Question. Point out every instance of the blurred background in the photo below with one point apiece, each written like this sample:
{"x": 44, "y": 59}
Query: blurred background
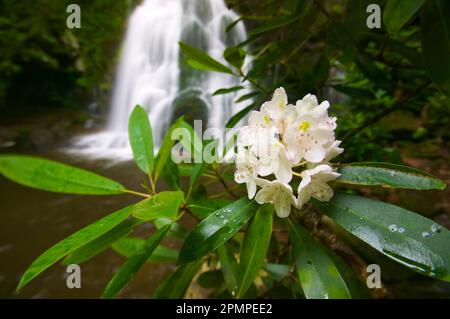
{"x": 65, "y": 93}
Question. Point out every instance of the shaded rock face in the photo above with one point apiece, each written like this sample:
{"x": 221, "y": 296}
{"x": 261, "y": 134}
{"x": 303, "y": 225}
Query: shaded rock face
{"x": 192, "y": 106}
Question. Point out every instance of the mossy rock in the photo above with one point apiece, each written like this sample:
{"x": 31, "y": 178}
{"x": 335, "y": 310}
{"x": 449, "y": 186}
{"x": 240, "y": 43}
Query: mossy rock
{"x": 192, "y": 106}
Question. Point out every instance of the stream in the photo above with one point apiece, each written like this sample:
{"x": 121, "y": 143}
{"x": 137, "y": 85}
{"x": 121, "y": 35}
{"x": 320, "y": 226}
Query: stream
{"x": 31, "y": 221}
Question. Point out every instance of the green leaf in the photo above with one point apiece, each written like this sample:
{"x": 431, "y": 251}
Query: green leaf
{"x": 357, "y": 288}
{"x": 235, "y": 56}
{"x": 73, "y": 242}
{"x": 197, "y": 171}
{"x": 435, "y": 32}
{"x": 247, "y": 96}
{"x": 398, "y": 12}
{"x": 216, "y": 229}
{"x": 141, "y": 139}
{"x": 227, "y": 90}
{"x": 194, "y": 144}
{"x": 204, "y": 207}
{"x": 134, "y": 263}
{"x": 101, "y": 243}
{"x": 398, "y": 47}
{"x": 229, "y": 268}
{"x": 232, "y": 24}
{"x": 274, "y": 24}
{"x": 176, "y": 231}
{"x": 239, "y": 115}
{"x": 254, "y": 248}
{"x": 163, "y": 204}
{"x": 165, "y": 149}
{"x": 202, "y": 61}
{"x": 211, "y": 279}
{"x": 277, "y": 271}
{"x": 373, "y": 72}
{"x": 56, "y": 177}
{"x": 319, "y": 276}
{"x": 387, "y": 175}
{"x": 175, "y": 286}
{"x": 129, "y": 246}
{"x": 171, "y": 175}
{"x": 408, "y": 238}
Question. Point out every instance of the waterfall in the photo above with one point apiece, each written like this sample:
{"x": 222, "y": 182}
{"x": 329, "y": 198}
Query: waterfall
{"x": 151, "y": 72}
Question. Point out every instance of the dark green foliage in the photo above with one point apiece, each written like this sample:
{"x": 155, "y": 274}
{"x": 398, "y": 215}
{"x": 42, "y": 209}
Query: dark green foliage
{"x": 43, "y": 63}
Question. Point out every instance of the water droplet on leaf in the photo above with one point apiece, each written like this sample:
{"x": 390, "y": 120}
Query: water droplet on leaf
{"x": 393, "y": 228}
{"x": 435, "y": 228}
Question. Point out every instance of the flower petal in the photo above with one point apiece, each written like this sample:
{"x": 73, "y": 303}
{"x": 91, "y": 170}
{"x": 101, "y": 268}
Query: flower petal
{"x": 251, "y": 188}
{"x": 283, "y": 206}
{"x": 315, "y": 154}
{"x": 322, "y": 192}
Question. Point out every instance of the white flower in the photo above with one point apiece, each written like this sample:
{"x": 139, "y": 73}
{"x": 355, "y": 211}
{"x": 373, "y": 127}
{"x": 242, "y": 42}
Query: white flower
{"x": 305, "y": 140}
{"x": 277, "y": 106}
{"x": 259, "y": 124}
{"x": 314, "y": 184}
{"x": 279, "y": 194}
{"x": 332, "y": 150}
{"x": 246, "y": 163}
{"x": 281, "y": 136}
{"x": 275, "y": 161}
{"x": 311, "y": 131}
{"x": 281, "y": 113}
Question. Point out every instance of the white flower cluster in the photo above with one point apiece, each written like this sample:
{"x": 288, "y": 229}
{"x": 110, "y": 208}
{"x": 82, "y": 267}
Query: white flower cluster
{"x": 285, "y": 140}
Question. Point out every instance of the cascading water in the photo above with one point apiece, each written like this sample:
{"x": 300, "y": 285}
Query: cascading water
{"x": 151, "y": 72}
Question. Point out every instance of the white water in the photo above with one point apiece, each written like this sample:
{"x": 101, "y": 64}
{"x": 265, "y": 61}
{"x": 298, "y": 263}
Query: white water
{"x": 149, "y": 71}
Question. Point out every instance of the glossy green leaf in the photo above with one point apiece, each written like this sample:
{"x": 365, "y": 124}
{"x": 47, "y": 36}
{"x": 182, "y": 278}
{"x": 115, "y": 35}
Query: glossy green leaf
{"x": 129, "y": 246}
{"x": 202, "y": 61}
{"x": 239, "y": 115}
{"x": 229, "y": 268}
{"x": 319, "y": 276}
{"x": 175, "y": 286}
{"x": 165, "y": 149}
{"x": 356, "y": 286}
{"x": 204, "y": 207}
{"x": 141, "y": 139}
{"x": 398, "y": 12}
{"x": 408, "y": 238}
{"x": 435, "y": 32}
{"x": 227, "y": 90}
{"x": 73, "y": 242}
{"x": 134, "y": 263}
{"x": 235, "y": 56}
{"x": 163, "y": 204}
{"x": 56, "y": 177}
{"x": 387, "y": 175}
{"x": 254, "y": 248}
{"x": 101, "y": 243}
{"x": 216, "y": 229}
